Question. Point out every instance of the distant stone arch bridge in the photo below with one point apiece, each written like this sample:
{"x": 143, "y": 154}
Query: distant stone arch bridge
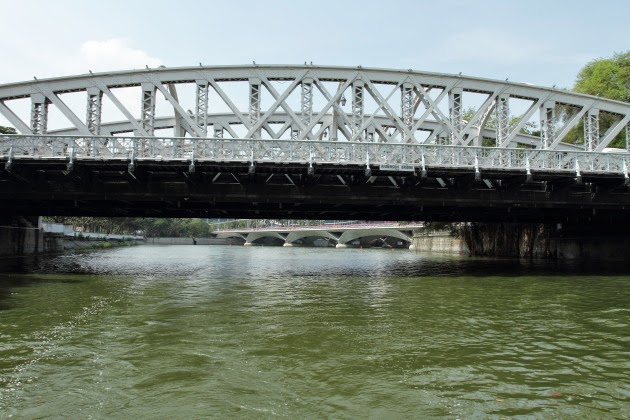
{"x": 339, "y": 235}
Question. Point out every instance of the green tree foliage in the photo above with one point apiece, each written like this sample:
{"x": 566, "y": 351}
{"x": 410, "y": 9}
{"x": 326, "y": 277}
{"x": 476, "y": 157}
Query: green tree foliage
{"x": 608, "y": 78}
{"x": 7, "y": 130}
{"x": 152, "y": 227}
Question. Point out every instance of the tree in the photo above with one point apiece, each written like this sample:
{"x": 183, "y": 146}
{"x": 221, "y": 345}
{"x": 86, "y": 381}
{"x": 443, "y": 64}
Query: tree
{"x": 608, "y": 78}
{"x": 7, "y": 130}
{"x": 197, "y": 228}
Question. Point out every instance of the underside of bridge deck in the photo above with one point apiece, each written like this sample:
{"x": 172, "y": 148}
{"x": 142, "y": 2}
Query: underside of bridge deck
{"x": 168, "y": 189}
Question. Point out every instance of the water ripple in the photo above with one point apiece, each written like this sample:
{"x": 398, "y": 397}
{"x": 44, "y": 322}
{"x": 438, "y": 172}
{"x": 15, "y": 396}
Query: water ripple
{"x": 275, "y": 332}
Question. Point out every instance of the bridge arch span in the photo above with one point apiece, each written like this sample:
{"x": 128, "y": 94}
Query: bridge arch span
{"x": 227, "y": 235}
{"x": 255, "y": 236}
{"x": 313, "y": 103}
{"x": 297, "y": 235}
{"x": 354, "y": 234}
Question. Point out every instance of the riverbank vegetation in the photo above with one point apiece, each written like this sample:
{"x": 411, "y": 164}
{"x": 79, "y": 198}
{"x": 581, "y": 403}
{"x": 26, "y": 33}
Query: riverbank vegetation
{"x": 150, "y": 226}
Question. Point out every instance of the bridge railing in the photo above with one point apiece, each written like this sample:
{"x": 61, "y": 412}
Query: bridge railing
{"x": 409, "y": 156}
{"x": 326, "y": 226}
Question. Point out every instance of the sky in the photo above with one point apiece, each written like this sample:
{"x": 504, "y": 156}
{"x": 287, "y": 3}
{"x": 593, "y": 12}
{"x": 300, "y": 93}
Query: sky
{"x": 539, "y": 42}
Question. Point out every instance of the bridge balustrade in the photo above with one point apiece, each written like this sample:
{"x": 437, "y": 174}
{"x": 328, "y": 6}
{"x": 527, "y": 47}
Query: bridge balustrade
{"x": 308, "y": 152}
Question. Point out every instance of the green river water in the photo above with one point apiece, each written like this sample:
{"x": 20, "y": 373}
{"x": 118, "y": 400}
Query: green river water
{"x": 263, "y": 332}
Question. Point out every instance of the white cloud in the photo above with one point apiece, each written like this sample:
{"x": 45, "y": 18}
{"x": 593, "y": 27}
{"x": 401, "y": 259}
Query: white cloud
{"x": 108, "y": 55}
{"x": 95, "y": 55}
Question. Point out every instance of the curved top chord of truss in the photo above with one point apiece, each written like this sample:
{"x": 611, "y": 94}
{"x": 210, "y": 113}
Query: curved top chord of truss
{"x": 312, "y": 103}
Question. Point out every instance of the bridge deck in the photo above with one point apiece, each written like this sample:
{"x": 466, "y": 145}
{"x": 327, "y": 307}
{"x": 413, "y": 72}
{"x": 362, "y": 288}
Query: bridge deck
{"x": 425, "y": 183}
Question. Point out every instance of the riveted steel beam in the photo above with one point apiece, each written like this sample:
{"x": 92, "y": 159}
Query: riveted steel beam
{"x": 147, "y": 116}
{"x": 254, "y": 104}
{"x": 201, "y": 106}
{"x": 39, "y": 113}
{"x": 503, "y": 118}
{"x": 547, "y": 121}
{"x": 94, "y": 110}
{"x": 307, "y": 101}
{"x": 591, "y": 130}
{"x": 357, "y": 109}
{"x": 456, "y": 114}
{"x": 406, "y": 109}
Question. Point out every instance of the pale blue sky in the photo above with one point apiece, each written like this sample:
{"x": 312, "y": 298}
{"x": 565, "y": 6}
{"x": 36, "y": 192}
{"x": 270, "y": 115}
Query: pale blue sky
{"x": 539, "y": 42}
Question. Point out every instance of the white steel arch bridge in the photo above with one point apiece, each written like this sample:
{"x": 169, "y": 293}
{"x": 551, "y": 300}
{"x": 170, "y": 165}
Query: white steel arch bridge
{"x": 291, "y": 126}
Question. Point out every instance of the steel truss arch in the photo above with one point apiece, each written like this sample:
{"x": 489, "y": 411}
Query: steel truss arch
{"x": 314, "y": 103}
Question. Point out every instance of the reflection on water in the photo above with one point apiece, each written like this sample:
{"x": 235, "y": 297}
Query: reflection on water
{"x": 194, "y": 331}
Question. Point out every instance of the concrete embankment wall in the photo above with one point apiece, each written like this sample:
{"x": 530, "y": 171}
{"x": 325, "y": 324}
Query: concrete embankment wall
{"x": 21, "y": 236}
{"x": 442, "y": 243}
{"x": 185, "y": 241}
{"x": 606, "y": 247}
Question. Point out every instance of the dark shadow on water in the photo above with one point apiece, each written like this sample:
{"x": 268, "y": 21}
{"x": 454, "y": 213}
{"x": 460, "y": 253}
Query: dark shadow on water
{"x": 446, "y": 266}
{"x": 19, "y": 272}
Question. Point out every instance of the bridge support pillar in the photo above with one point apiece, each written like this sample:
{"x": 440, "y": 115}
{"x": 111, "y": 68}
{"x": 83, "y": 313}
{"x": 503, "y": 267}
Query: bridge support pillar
{"x": 248, "y": 244}
{"x": 21, "y": 236}
{"x": 341, "y": 246}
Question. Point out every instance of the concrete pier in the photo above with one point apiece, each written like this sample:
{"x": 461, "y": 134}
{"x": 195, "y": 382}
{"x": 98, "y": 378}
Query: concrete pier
{"x": 21, "y": 235}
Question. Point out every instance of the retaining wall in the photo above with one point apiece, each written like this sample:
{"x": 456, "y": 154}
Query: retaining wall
{"x": 443, "y": 243}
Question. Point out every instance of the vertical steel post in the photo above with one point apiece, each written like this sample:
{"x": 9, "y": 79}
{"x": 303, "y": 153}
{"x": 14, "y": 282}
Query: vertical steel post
{"x": 406, "y": 109}
{"x": 503, "y": 118}
{"x": 254, "y": 105}
{"x": 307, "y": 102}
{"x": 357, "y": 109}
{"x": 39, "y": 113}
{"x": 201, "y": 108}
{"x": 147, "y": 116}
{"x": 218, "y": 131}
{"x": 591, "y": 130}
{"x": 94, "y": 110}
{"x": 455, "y": 113}
{"x": 371, "y": 131}
{"x": 547, "y": 120}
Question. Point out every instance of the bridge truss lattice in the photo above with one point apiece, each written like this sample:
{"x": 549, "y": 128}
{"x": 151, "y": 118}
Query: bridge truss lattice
{"x": 312, "y": 103}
